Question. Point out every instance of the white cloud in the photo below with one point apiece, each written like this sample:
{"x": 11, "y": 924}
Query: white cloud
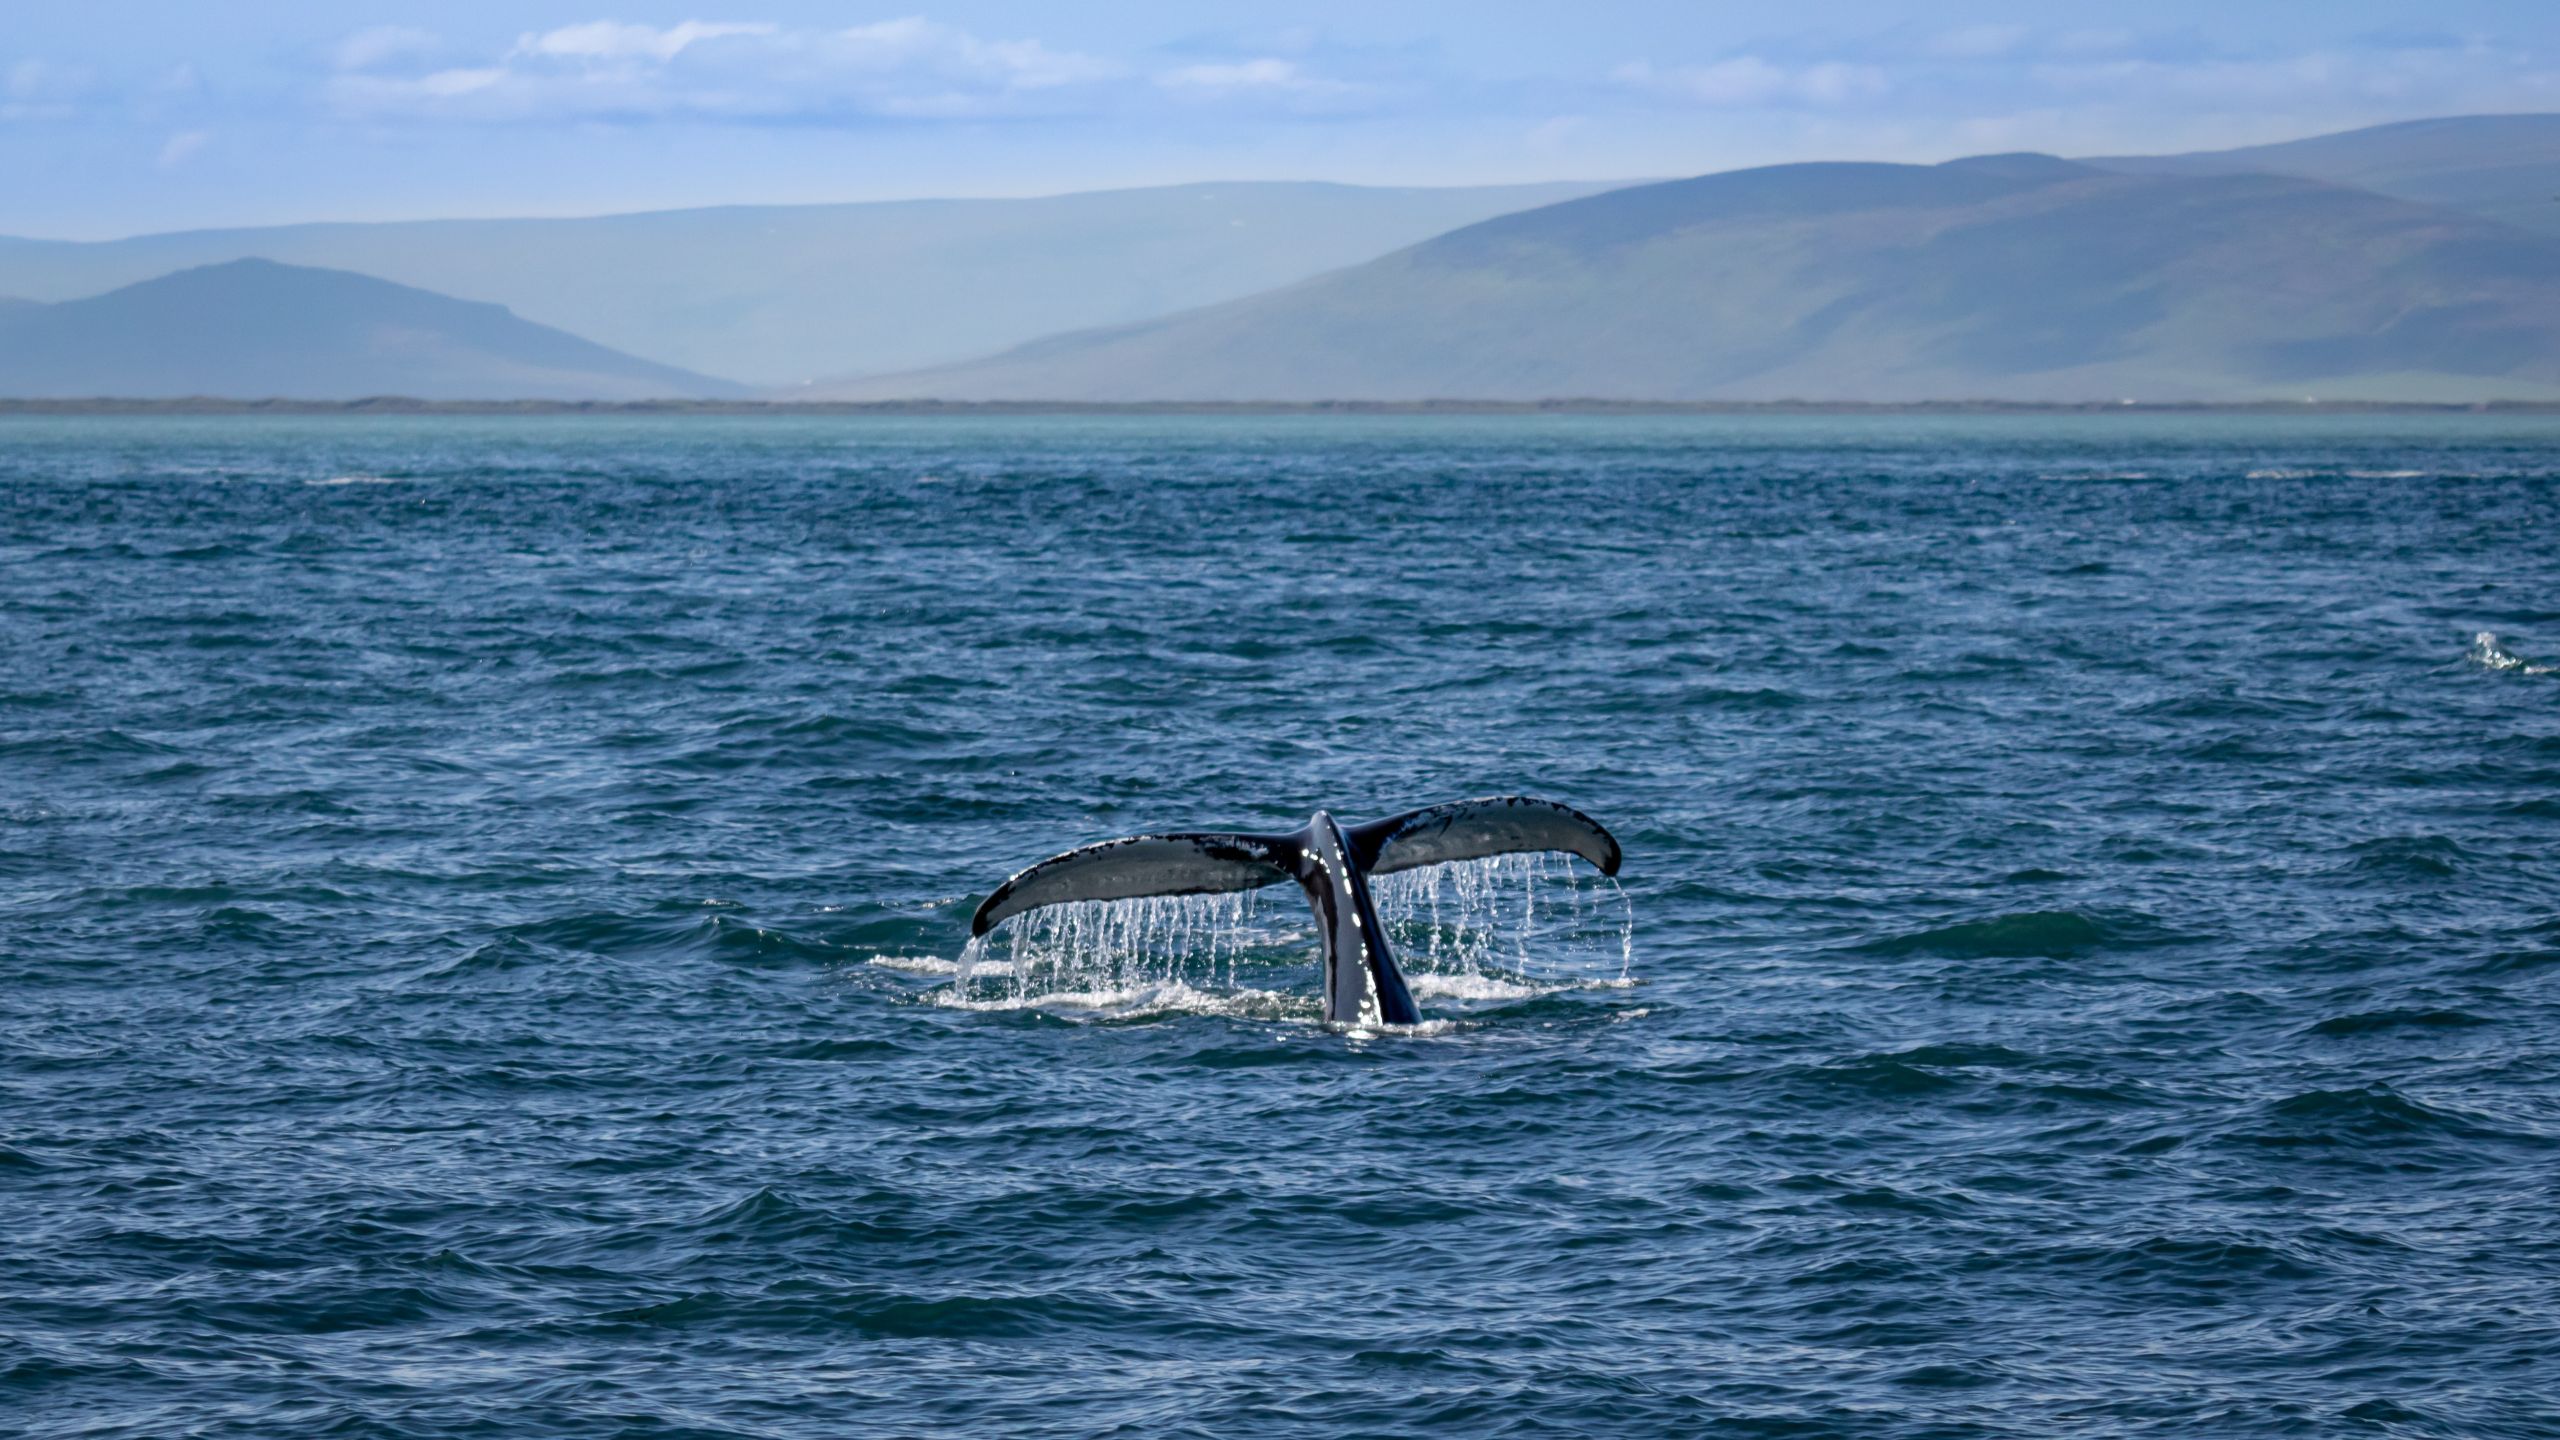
{"x": 1752, "y": 82}
{"x": 1978, "y": 42}
{"x": 446, "y": 84}
{"x": 918, "y": 44}
{"x": 44, "y": 90}
{"x": 1267, "y": 73}
{"x": 2070, "y": 90}
{"x": 182, "y": 147}
{"x": 613, "y": 40}
{"x": 912, "y": 67}
{"x": 381, "y": 44}
{"x": 42, "y": 80}
{"x": 1555, "y": 134}
{"x": 2447, "y": 80}
{"x": 2095, "y": 42}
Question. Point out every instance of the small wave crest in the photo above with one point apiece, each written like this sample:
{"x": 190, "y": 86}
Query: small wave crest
{"x": 2372, "y": 1022}
{"x": 2364, "y": 1118}
{"x": 2036, "y": 933}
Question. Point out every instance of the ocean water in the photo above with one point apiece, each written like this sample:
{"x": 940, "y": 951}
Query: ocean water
{"x": 485, "y": 909}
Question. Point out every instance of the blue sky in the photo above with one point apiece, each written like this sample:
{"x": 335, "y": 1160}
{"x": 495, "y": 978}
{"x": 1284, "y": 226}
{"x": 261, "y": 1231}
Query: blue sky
{"x": 120, "y": 117}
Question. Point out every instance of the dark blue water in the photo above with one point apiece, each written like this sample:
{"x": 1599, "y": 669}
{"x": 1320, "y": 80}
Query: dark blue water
{"x": 480, "y": 898}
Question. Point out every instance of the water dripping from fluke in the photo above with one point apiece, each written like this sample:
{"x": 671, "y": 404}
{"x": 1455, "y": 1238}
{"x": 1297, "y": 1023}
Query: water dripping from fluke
{"x": 1474, "y": 937}
{"x": 1334, "y": 866}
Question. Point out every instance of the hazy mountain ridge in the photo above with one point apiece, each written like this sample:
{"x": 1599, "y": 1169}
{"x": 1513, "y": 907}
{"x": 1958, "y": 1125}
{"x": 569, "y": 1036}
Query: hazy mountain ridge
{"x": 780, "y": 295}
{"x": 2500, "y": 167}
{"x": 2257, "y": 274}
{"x": 253, "y": 328}
{"x": 2006, "y": 277}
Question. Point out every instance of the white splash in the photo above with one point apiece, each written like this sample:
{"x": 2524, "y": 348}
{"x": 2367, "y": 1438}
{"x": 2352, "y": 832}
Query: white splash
{"x": 2487, "y": 650}
{"x": 1139, "y": 1002}
{"x": 1480, "y": 932}
{"x": 917, "y": 964}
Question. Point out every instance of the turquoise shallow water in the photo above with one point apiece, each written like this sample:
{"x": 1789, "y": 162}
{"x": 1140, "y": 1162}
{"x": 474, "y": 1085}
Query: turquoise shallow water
{"x": 481, "y": 899}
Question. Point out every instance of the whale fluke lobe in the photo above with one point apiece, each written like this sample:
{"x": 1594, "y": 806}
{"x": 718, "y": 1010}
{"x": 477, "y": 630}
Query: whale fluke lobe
{"x": 1143, "y": 865}
{"x": 1478, "y": 830}
{"x": 1330, "y": 863}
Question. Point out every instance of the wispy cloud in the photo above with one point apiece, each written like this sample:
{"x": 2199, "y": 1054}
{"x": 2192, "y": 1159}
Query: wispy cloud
{"x": 182, "y": 147}
{"x": 1977, "y": 42}
{"x": 1266, "y": 73}
{"x": 383, "y": 44}
{"x": 614, "y": 40}
{"x": 1753, "y": 81}
{"x": 44, "y": 89}
{"x": 1980, "y": 76}
{"x": 729, "y": 70}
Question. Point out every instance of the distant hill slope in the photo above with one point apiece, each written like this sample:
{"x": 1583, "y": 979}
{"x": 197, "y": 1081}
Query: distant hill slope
{"x": 253, "y": 329}
{"x": 2020, "y": 277}
{"x": 783, "y": 294}
{"x": 2504, "y": 167}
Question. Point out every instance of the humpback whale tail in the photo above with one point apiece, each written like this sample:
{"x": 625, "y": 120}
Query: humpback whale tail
{"x": 1330, "y": 862}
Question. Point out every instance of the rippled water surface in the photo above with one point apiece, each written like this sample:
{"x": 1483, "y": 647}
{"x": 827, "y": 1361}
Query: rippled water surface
{"x": 484, "y": 897}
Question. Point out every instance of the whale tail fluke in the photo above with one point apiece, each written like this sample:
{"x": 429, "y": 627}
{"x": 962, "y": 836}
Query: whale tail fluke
{"x": 1143, "y": 865}
{"x": 1330, "y": 863}
{"x": 1477, "y": 830}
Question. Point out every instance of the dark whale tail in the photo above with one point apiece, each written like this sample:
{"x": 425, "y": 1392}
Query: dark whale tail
{"x": 1331, "y": 863}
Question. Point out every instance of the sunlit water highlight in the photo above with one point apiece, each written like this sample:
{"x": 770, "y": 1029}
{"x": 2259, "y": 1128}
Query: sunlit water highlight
{"x": 484, "y": 948}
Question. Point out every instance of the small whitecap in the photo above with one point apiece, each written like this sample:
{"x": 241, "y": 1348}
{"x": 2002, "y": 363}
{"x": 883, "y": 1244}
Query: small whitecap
{"x": 1464, "y": 986}
{"x": 1136, "y": 1002}
{"x": 919, "y": 964}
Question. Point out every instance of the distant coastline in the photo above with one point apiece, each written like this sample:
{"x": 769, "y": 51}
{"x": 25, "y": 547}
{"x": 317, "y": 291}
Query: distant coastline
{"x": 398, "y": 405}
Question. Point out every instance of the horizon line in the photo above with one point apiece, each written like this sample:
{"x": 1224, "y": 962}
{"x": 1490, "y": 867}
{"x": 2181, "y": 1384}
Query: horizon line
{"x": 410, "y": 405}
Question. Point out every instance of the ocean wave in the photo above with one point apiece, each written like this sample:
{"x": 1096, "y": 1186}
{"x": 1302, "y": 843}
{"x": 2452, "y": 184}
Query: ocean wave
{"x": 668, "y": 933}
{"x": 2360, "y": 1119}
{"x": 2418, "y": 857}
{"x": 1885, "y": 1077}
{"x": 2056, "y": 934}
{"x": 814, "y": 1307}
{"x": 2371, "y": 1022}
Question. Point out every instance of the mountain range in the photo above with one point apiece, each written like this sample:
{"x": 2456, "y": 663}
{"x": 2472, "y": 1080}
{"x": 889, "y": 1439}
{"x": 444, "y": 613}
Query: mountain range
{"x": 254, "y": 329}
{"x": 784, "y": 294}
{"x": 2499, "y": 167}
{"x": 2019, "y": 277}
{"x": 2415, "y": 262}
